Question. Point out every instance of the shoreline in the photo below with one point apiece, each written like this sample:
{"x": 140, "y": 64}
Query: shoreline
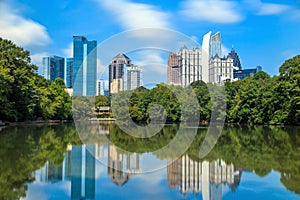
{"x": 112, "y": 120}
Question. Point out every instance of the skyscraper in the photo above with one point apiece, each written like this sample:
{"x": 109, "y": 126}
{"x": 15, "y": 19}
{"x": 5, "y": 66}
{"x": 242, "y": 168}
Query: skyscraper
{"x": 102, "y": 87}
{"x": 53, "y": 67}
{"x": 116, "y": 73}
{"x": 69, "y": 72}
{"x": 190, "y": 63}
{"x": 174, "y": 70}
{"x": 85, "y": 66}
{"x": 236, "y": 60}
{"x": 215, "y": 45}
{"x": 205, "y": 56}
{"x": 133, "y": 77}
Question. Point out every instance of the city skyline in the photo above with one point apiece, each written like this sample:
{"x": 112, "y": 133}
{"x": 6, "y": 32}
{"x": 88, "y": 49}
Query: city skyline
{"x": 46, "y": 30}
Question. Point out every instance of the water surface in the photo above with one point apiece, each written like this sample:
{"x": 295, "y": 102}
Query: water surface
{"x": 50, "y": 162}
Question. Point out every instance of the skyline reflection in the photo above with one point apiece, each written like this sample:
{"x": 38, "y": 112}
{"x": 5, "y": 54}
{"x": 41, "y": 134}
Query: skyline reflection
{"x": 79, "y": 168}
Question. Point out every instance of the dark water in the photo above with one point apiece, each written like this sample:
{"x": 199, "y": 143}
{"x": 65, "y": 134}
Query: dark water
{"x": 50, "y": 162}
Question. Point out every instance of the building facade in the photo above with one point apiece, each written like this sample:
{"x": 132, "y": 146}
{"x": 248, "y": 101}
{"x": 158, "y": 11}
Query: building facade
{"x": 236, "y": 59}
{"x": 190, "y": 64}
{"x": 69, "y": 72}
{"x": 133, "y": 77}
{"x": 102, "y": 87}
{"x": 84, "y": 66}
{"x": 174, "y": 70}
{"x": 116, "y": 73}
{"x": 53, "y": 67}
{"x": 215, "y": 45}
{"x": 244, "y": 73}
{"x": 220, "y": 70}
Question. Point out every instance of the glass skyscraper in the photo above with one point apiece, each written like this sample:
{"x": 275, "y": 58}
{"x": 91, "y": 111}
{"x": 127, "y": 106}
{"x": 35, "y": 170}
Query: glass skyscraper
{"x": 84, "y": 66}
{"x": 69, "y": 72}
{"x": 53, "y": 67}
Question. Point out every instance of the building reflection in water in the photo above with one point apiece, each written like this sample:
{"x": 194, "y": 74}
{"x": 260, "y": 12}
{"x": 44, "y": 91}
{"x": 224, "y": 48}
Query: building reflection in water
{"x": 83, "y": 172}
{"x": 210, "y": 178}
{"x": 121, "y": 166}
{"x": 78, "y": 167}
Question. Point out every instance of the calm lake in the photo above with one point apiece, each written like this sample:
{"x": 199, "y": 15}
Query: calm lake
{"x": 51, "y": 162}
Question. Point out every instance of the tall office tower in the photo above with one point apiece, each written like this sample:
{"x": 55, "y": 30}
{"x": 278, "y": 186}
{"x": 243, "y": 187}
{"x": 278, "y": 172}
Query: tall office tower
{"x": 53, "y": 67}
{"x": 211, "y": 47}
{"x": 206, "y": 56}
{"x": 133, "y": 77}
{"x": 69, "y": 72}
{"x": 85, "y": 66}
{"x": 190, "y": 63}
{"x": 83, "y": 172}
{"x": 236, "y": 60}
{"x": 102, "y": 87}
{"x": 216, "y": 45}
{"x": 220, "y": 70}
{"x": 116, "y": 72}
{"x": 174, "y": 74}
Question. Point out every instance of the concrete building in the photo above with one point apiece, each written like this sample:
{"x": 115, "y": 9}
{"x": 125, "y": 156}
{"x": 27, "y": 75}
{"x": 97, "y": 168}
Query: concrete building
{"x": 116, "y": 73}
{"x": 190, "y": 64}
{"x": 133, "y": 77}
{"x": 102, "y": 87}
{"x": 220, "y": 70}
{"x": 174, "y": 69}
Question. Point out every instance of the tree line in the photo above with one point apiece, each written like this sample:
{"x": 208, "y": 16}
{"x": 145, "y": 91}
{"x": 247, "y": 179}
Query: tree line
{"x": 24, "y": 95}
{"x": 260, "y": 99}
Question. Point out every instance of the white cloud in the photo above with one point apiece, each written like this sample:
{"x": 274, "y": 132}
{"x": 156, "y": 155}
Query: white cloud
{"x": 24, "y": 32}
{"x": 38, "y": 58}
{"x": 266, "y": 8}
{"x": 151, "y": 61}
{"x": 136, "y": 15}
{"x": 218, "y": 11}
{"x": 68, "y": 52}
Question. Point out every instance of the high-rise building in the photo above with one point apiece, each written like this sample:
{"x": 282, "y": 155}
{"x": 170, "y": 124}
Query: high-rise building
{"x": 85, "y": 66}
{"x": 236, "y": 60}
{"x": 53, "y": 67}
{"x": 69, "y": 72}
{"x": 205, "y": 56}
{"x": 220, "y": 70}
{"x": 215, "y": 45}
{"x": 116, "y": 72}
{"x": 190, "y": 64}
{"x": 133, "y": 77}
{"x": 174, "y": 70}
{"x": 102, "y": 87}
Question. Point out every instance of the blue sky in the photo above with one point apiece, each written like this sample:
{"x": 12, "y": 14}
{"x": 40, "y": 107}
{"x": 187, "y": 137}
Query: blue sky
{"x": 263, "y": 32}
